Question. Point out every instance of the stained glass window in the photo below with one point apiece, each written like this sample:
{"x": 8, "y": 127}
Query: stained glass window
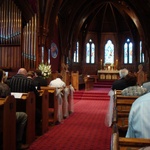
{"x": 141, "y": 53}
{"x": 128, "y": 52}
{"x": 125, "y": 53}
{"x": 109, "y": 52}
{"x": 90, "y": 52}
{"x": 76, "y": 53}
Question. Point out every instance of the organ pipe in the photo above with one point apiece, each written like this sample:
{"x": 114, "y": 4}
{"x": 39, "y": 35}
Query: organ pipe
{"x": 11, "y": 46}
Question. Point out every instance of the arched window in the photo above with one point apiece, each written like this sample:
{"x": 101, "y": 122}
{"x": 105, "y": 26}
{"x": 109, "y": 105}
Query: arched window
{"x": 128, "y": 52}
{"x": 76, "y": 53}
{"x": 141, "y": 53}
{"x": 90, "y": 52}
{"x": 109, "y": 52}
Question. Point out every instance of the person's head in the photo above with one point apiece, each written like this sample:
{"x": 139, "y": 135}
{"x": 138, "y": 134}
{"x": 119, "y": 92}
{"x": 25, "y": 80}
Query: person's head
{"x": 38, "y": 73}
{"x": 22, "y": 71}
{"x": 123, "y": 73}
{"x": 131, "y": 79}
{"x": 30, "y": 74}
{"x": 1, "y": 75}
{"x": 59, "y": 76}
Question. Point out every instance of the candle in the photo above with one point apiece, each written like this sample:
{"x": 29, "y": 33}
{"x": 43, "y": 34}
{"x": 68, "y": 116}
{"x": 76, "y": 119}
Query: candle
{"x": 101, "y": 62}
{"x": 116, "y": 63}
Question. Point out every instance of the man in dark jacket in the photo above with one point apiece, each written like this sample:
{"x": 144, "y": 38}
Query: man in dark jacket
{"x": 20, "y": 82}
{"x": 121, "y": 83}
{"x": 39, "y": 80}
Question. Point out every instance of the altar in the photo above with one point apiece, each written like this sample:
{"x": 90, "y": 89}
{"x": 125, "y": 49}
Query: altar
{"x": 108, "y": 74}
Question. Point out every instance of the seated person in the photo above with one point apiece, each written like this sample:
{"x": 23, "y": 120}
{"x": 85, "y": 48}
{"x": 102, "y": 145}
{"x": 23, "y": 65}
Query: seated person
{"x": 139, "y": 118}
{"x": 30, "y": 74}
{"x": 58, "y": 82}
{"x": 129, "y": 80}
{"x": 20, "y": 82}
{"x": 21, "y": 117}
{"x": 120, "y": 84}
{"x": 133, "y": 89}
{"x": 39, "y": 80}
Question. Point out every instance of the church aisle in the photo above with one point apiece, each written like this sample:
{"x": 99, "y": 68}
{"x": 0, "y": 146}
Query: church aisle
{"x": 83, "y": 130}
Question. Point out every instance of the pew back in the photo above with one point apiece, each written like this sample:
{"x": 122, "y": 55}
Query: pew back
{"x": 122, "y": 106}
{"x": 26, "y": 103}
{"x": 123, "y": 103}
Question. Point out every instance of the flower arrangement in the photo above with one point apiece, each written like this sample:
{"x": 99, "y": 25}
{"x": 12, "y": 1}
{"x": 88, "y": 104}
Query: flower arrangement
{"x": 46, "y": 70}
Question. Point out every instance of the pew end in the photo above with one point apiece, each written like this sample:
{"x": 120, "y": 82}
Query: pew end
{"x": 8, "y": 122}
{"x": 53, "y": 104}
{"x": 26, "y": 103}
{"x": 43, "y": 105}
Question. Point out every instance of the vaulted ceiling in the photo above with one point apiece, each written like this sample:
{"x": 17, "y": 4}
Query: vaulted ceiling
{"x": 104, "y": 16}
{"x": 109, "y": 14}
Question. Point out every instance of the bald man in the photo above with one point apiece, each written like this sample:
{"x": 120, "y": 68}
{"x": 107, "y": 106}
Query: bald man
{"x": 20, "y": 82}
{"x": 22, "y": 71}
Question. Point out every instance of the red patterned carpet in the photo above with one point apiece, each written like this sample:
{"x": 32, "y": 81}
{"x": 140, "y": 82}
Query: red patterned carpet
{"x": 83, "y": 130}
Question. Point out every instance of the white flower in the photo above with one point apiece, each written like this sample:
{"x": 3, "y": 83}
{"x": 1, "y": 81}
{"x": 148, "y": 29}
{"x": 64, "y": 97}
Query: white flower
{"x": 46, "y": 70}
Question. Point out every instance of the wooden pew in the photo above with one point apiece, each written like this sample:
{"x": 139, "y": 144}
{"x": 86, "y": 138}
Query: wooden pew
{"x": 117, "y": 92}
{"x": 25, "y": 102}
{"x": 123, "y": 103}
{"x": 43, "y": 105}
{"x": 8, "y": 122}
{"x": 122, "y": 106}
{"x": 53, "y": 103}
{"x": 122, "y": 143}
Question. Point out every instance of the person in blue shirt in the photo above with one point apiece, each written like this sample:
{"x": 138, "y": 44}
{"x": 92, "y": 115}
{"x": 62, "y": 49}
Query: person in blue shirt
{"x": 139, "y": 117}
